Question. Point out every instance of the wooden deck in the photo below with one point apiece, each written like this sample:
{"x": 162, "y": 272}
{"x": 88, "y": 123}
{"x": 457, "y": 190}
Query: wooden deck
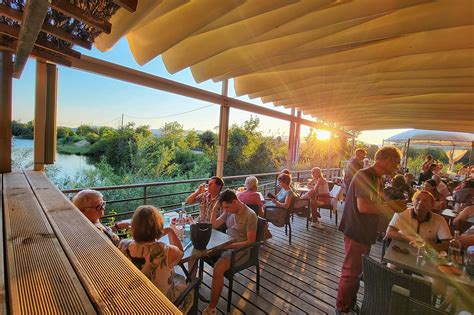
{"x": 297, "y": 279}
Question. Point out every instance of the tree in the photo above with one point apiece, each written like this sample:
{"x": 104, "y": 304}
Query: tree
{"x": 83, "y": 130}
{"x": 173, "y": 134}
{"x": 208, "y": 139}
{"x": 192, "y": 139}
{"x": 64, "y": 132}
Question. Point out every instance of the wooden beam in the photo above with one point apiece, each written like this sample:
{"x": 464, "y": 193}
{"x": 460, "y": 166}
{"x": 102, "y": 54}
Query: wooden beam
{"x": 64, "y": 6}
{"x": 35, "y": 12}
{"x": 11, "y": 45}
{"x": 129, "y": 5}
{"x": 5, "y": 111}
{"x": 49, "y": 29}
{"x": 119, "y": 72}
{"x": 14, "y": 31}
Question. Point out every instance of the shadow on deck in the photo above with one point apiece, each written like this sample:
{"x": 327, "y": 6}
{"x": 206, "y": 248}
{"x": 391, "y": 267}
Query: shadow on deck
{"x": 301, "y": 278}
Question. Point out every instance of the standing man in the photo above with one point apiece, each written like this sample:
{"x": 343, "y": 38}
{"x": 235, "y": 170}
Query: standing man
{"x": 355, "y": 163}
{"x": 207, "y": 197}
{"x": 241, "y": 224}
{"x": 364, "y": 204}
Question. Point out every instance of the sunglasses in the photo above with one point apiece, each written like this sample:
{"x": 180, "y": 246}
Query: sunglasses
{"x": 100, "y": 206}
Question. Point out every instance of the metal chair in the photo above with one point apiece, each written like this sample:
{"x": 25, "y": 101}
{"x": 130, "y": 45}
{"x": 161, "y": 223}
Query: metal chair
{"x": 334, "y": 196}
{"x": 302, "y": 207}
{"x": 378, "y": 282}
{"x": 402, "y": 304}
{"x": 252, "y": 261}
{"x": 192, "y": 286}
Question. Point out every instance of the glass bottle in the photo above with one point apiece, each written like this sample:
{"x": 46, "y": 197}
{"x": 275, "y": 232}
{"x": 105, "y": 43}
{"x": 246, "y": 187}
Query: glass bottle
{"x": 469, "y": 260}
{"x": 454, "y": 251}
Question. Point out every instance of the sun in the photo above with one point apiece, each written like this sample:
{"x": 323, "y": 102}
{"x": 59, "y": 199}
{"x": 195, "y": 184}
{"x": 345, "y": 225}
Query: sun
{"x": 323, "y": 134}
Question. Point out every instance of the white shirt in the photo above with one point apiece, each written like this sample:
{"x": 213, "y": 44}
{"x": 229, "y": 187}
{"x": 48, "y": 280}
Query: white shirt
{"x": 435, "y": 227}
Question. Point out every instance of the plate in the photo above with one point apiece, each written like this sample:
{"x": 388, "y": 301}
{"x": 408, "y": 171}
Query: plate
{"x": 449, "y": 269}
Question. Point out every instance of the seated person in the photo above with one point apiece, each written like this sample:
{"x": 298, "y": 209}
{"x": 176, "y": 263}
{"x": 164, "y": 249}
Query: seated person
{"x": 250, "y": 196}
{"x": 92, "y": 205}
{"x": 441, "y": 186}
{"x": 466, "y": 238}
{"x": 241, "y": 224}
{"x": 286, "y": 195}
{"x": 439, "y": 200}
{"x": 420, "y": 222}
{"x": 465, "y": 195}
{"x": 398, "y": 189}
{"x": 155, "y": 259}
{"x": 206, "y": 195}
{"x": 319, "y": 195}
{"x": 426, "y": 174}
{"x": 409, "y": 180}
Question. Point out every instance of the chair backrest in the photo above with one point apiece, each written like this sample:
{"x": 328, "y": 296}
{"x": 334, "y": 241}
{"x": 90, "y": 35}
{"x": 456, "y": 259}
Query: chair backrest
{"x": 254, "y": 208}
{"x": 335, "y": 193}
{"x": 378, "y": 282}
{"x": 260, "y": 237}
{"x": 402, "y": 304}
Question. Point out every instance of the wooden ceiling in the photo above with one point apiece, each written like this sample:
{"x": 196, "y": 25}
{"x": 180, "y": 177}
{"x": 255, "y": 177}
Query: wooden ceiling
{"x": 357, "y": 65}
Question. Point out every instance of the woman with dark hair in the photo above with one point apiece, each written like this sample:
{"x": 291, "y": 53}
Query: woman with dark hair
{"x": 398, "y": 189}
{"x": 286, "y": 195}
{"x": 440, "y": 202}
{"x": 154, "y": 258}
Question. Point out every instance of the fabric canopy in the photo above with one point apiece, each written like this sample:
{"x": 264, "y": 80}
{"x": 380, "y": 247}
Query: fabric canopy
{"x": 360, "y": 65}
{"x": 435, "y": 138}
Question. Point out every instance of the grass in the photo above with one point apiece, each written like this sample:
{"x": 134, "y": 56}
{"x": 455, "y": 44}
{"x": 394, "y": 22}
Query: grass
{"x": 73, "y": 149}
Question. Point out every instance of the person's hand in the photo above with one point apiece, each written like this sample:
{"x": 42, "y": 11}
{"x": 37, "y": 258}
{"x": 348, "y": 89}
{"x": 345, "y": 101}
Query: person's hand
{"x": 125, "y": 224}
{"x": 167, "y": 230}
{"x": 201, "y": 188}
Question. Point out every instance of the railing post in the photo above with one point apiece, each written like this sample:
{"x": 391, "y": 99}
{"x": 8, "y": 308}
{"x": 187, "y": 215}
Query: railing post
{"x": 144, "y": 194}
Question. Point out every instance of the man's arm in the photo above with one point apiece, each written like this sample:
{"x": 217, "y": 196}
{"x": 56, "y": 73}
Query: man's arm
{"x": 193, "y": 197}
{"x": 217, "y": 221}
{"x": 393, "y": 233}
{"x": 251, "y": 237}
{"x": 369, "y": 207}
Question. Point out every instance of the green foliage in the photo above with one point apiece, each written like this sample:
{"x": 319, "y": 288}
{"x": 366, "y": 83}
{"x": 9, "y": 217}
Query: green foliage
{"x": 23, "y": 130}
{"x": 173, "y": 134}
{"x": 84, "y": 130}
{"x": 64, "y": 132}
{"x": 192, "y": 139}
{"x": 92, "y": 137}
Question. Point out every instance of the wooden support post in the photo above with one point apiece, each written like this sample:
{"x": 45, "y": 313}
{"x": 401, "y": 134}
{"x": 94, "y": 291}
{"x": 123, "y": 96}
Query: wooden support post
{"x": 45, "y": 115}
{"x": 296, "y": 146}
{"x": 6, "y": 69}
{"x": 291, "y": 142}
{"x": 329, "y": 160}
{"x": 223, "y": 131}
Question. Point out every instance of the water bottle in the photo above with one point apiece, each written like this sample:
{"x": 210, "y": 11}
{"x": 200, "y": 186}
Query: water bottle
{"x": 454, "y": 251}
{"x": 182, "y": 220}
{"x": 469, "y": 260}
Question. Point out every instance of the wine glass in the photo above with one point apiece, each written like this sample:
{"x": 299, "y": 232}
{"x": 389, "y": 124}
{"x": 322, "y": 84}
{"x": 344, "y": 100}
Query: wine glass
{"x": 420, "y": 244}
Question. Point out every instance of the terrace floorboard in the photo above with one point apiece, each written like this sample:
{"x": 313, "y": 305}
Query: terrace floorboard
{"x": 301, "y": 278}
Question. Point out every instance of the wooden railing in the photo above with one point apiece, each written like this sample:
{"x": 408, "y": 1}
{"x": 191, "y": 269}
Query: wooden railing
{"x": 149, "y": 192}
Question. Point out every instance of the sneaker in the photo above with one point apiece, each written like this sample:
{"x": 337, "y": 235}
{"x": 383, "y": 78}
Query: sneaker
{"x": 317, "y": 225}
{"x": 209, "y": 311}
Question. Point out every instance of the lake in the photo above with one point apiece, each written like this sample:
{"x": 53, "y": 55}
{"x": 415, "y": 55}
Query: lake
{"x": 67, "y": 164}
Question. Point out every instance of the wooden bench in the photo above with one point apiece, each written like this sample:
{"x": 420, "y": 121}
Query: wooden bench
{"x": 73, "y": 268}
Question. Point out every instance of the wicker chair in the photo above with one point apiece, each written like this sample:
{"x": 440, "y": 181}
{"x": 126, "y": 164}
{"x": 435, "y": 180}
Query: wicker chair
{"x": 402, "y": 304}
{"x": 280, "y": 217}
{"x": 378, "y": 283}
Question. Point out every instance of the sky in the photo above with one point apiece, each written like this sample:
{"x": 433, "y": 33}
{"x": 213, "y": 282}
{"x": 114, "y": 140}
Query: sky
{"x": 85, "y": 98}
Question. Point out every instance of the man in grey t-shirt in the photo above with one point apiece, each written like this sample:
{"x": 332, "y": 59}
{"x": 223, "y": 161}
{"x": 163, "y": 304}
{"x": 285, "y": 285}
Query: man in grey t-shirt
{"x": 241, "y": 224}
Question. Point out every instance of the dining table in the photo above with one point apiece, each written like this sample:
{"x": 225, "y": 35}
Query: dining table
{"x": 427, "y": 265}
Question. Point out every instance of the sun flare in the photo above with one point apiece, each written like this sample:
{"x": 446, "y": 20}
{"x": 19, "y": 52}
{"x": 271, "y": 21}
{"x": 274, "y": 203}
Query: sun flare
{"x": 323, "y": 134}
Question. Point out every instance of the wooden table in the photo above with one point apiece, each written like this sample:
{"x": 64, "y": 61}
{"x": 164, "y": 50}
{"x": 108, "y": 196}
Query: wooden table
{"x": 425, "y": 266}
{"x": 217, "y": 242}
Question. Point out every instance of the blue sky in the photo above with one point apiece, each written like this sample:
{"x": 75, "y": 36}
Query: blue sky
{"x": 91, "y": 99}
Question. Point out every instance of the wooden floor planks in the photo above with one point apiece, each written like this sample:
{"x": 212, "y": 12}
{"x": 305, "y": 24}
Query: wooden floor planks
{"x": 301, "y": 278}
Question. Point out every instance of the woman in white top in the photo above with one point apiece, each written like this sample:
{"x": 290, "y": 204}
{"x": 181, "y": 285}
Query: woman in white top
{"x": 319, "y": 195}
